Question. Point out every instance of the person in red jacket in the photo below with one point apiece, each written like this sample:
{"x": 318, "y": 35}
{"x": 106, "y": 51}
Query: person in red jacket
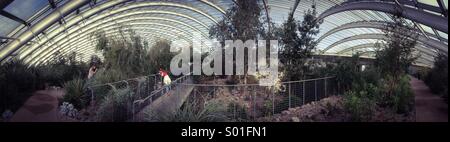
{"x": 166, "y": 79}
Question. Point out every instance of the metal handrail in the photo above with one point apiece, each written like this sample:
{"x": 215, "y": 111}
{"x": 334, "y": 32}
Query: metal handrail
{"x": 105, "y": 84}
{"x": 181, "y": 79}
{"x": 238, "y": 85}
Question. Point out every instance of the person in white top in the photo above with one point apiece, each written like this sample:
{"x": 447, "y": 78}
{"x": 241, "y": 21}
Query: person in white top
{"x": 166, "y": 79}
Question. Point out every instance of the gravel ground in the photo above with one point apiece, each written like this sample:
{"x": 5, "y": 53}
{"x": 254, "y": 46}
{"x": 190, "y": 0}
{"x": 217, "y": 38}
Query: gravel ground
{"x": 331, "y": 110}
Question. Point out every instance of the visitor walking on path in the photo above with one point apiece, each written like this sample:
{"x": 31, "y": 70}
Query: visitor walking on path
{"x": 166, "y": 79}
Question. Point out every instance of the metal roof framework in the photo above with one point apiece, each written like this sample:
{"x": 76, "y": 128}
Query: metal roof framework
{"x": 67, "y": 25}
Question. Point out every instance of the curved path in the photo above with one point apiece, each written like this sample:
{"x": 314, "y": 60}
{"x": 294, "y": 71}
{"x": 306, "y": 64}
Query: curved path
{"x": 429, "y": 107}
{"x": 41, "y": 107}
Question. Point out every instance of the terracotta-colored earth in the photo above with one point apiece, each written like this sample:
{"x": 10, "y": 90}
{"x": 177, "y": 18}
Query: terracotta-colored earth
{"x": 41, "y": 107}
{"x": 429, "y": 107}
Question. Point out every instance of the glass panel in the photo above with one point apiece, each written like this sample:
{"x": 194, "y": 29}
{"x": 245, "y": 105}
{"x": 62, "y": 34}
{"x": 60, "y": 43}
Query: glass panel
{"x": 430, "y": 2}
{"x": 7, "y": 25}
{"x": 24, "y": 9}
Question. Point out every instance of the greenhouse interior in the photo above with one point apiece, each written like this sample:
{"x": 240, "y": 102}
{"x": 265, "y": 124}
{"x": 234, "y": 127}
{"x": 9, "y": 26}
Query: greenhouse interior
{"x": 224, "y": 60}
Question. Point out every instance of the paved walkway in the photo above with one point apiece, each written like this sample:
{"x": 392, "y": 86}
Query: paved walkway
{"x": 167, "y": 104}
{"x": 429, "y": 107}
{"x": 41, "y": 107}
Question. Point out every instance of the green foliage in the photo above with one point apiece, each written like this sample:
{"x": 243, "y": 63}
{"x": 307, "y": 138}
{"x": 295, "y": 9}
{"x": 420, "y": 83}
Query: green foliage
{"x": 128, "y": 56}
{"x": 284, "y": 104}
{"x": 17, "y": 83}
{"x": 358, "y": 105}
{"x": 237, "y": 112}
{"x": 397, "y": 94}
{"x": 160, "y": 56}
{"x": 125, "y": 53}
{"x": 298, "y": 41}
{"x": 367, "y": 90}
{"x": 75, "y": 93}
{"x": 437, "y": 78}
{"x": 347, "y": 72}
{"x": 116, "y": 107}
{"x": 394, "y": 56}
{"x": 62, "y": 68}
{"x": 268, "y": 108}
{"x": 232, "y": 27}
{"x": 195, "y": 112}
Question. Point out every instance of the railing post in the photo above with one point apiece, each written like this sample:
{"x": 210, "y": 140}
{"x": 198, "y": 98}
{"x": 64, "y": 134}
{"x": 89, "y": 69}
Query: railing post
{"x": 315, "y": 90}
{"x": 155, "y": 83}
{"x": 304, "y": 93}
{"x": 92, "y": 96}
{"x": 325, "y": 84}
{"x": 289, "y": 92}
{"x": 254, "y": 102}
{"x": 273, "y": 102}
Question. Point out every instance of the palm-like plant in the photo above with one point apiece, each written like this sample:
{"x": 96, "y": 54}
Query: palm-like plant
{"x": 75, "y": 93}
{"x": 192, "y": 112}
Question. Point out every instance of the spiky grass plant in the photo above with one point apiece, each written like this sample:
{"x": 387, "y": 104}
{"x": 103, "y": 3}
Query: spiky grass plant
{"x": 75, "y": 93}
{"x": 192, "y": 112}
{"x": 116, "y": 107}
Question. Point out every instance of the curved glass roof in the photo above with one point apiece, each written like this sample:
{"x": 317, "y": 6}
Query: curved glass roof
{"x": 34, "y": 29}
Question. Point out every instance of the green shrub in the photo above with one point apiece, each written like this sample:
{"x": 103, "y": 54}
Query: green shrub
{"x": 397, "y": 94}
{"x": 358, "y": 105}
{"x": 404, "y": 96}
{"x": 104, "y": 76}
{"x": 284, "y": 104}
{"x": 116, "y": 106}
{"x": 437, "y": 78}
{"x": 75, "y": 94}
{"x": 268, "y": 108}
{"x": 347, "y": 72}
{"x": 17, "y": 83}
{"x": 395, "y": 55}
{"x": 62, "y": 68}
{"x": 132, "y": 56}
{"x": 367, "y": 90}
{"x": 237, "y": 112}
{"x": 193, "y": 112}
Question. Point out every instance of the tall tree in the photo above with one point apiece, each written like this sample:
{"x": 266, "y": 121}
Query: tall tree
{"x": 298, "y": 39}
{"x": 241, "y": 22}
{"x": 395, "y": 53}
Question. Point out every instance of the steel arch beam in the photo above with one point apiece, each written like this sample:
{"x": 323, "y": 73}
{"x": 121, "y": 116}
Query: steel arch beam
{"x": 64, "y": 38}
{"x": 45, "y": 23}
{"x": 68, "y": 42}
{"x": 420, "y": 48}
{"x": 89, "y": 47}
{"x": 424, "y": 60}
{"x": 361, "y": 46}
{"x": 67, "y": 8}
{"x": 101, "y": 17}
{"x": 417, "y": 64}
{"x": 414, "y": 3}
{"x": 430, "y": 43}
{"x": 365, "y": 24}
{"x": 68, "y": 48}
{"x": 115, "y": 30}
{"x": 434, "y": 21}
{"x": 356, "y": 37}
{"x": 424, "y": 57}
{"x": 73, "y": 31}
{"x": 372, "y": 45}
{"x": 107, "y": 29}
